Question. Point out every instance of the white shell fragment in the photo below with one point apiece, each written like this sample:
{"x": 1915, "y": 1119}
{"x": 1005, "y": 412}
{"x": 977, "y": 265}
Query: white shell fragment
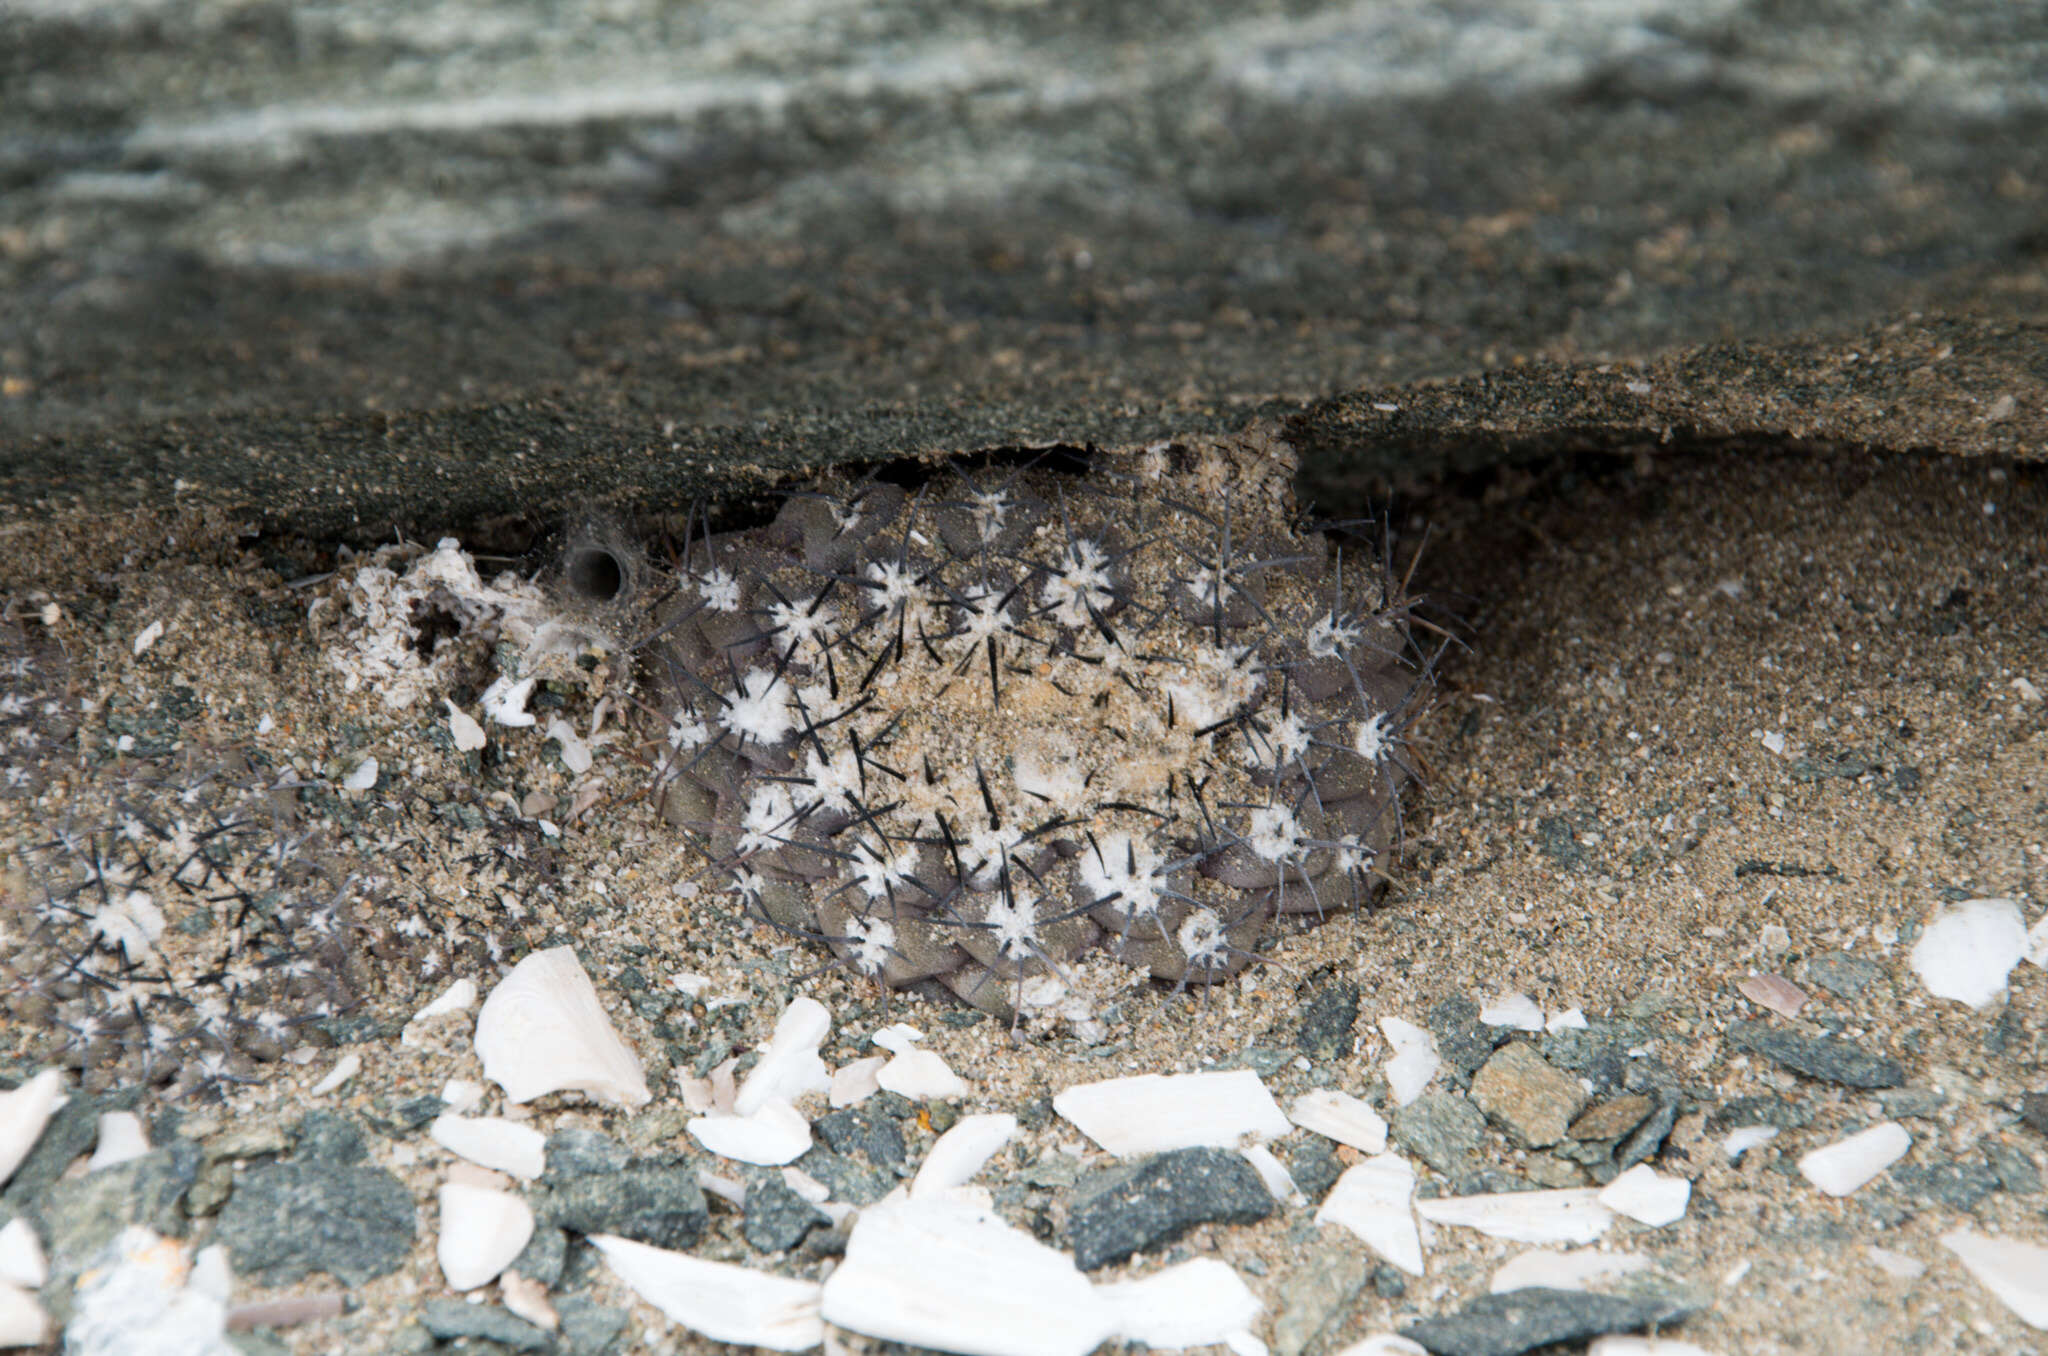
{"x": 1847, "y": 1164}
{"x": 1571, "y": 1215}
{"x": 345, "y": 1068}
{"x": 542, "y": 1030}
{"x": 1373, "y": 1199}
{"x": 1341, "y": 1117}
{"x": 772, "y": 1136}
{"x": 1414, "y": 1061}
{"x": 1191, "y": 1305}
{"x": 1775, "y": 992}
{"x": 23, "y": 1114}
{"x": 22, "y": 1320}
{"x": 148, "y": 636}
{"x": 790, "y": 1066}
{"x": 922, "y": 1076}
{"x": 455, "y": 998}
{"x": 1516, "y": 1010}
{"x": 482, "y": 1231}
{"x": 854, "y": 1083}
{"x": 1273, "y": 1174}
{"x": 504, "y": 701}
{"x": 21, "y": 1255}
{"x": 468, "y": 735}
{"x": 493, "y": 1142}
{"x": 1629, "y": 1344}
{"x": 1968, "y": 950}
{"x": 1647, "y": 1196}
{"x": 121, "y": 1137}
{"x": 946, "y": 1275}
{"x": 1740, "y": 1142}
{"x": 362, "y": 776}
{"x": 2015, "y": 1272}
{"x": 1548, "y": 1270}
{"x": 1152, "y": 1113}
{"x": 1385, "y": 1344}
{"x": 724, "y": 1302}
{"x": 1896, "y": 1265}
{"x": 960, "y": 1153}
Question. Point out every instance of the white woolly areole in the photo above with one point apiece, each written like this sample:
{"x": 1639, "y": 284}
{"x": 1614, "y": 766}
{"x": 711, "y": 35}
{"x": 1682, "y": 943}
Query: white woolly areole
{"x": 1374, "y": 738}
{"x": 871, "y": 940}
{"x": 760, "y": 709}
{"x": 1330, "y": 637}
{"x": 769, "y": 812}
{"x": 1013, "y": 922}
{"x": 1081, "y": 583}
{"x": 1221, "y": 681}
{"x": 1202, "y": 939}
{"x": 878, "y": 875}
{"x": 1274, "y": 833}
{"x": 1119, "y": 870}
{"x": 719, "y": 589}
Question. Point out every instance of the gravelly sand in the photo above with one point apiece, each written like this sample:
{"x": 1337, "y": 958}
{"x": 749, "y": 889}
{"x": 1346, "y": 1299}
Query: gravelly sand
{"x": 1607, "y": 828}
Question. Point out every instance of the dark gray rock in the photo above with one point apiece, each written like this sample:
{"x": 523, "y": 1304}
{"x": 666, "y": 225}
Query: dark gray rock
{"x": 847, "y": 1179}
{"x": 1441, "y": 1129}
{"x": 1828, "y": 1058}
{"x": 1843, "y": 974}
{"x": 542, "y": 1257}
{"x": 777, "y": 1218}
{"x": 1521, "y": 1320}
{"x": 1781, "y": 1112}
{"x": 81, "y": 1215}
{"x": 1957, "y": 1185}
{"x": 330, "y": 1137}
{"x": 1318, "y": 1288}
{"x": 1314, "y": 1166}
{"x": 857, "y": 1130}
{"x": 2034, "y": 1111}
{"x": 1327, "y": 1022}
{"x": 286, "y": 1221}
{"x": 577, "y": 1152}
{"x": 1646, "y": 1139}
{"x": 1911, "y": 1103}
{"x": 589, "y": 1328}
{"x": 1388, "y": 1282}
{"x": 1149, "y": 1204}
{"x": 657, "y": 1203}
{"x": 1461, "y": 1039}
{"x": 2015, "y": 1168}
{"x": 453, "y": 1319}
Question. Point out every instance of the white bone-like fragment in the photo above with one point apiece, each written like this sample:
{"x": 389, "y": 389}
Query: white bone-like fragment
{"x": 121, "y": 1137}
{"x": 960, "y": 1152}
{"x": 946, "y": 1275}
{"x": 1571, "y": 1215}
{"x": 1967, "y": 951}
{"x": 482, "y": 1231}
{"x": 493, "y": 1142}
{"x": 1840, "y": 1168}
{"x": 1545, "y": 1269}
{"x": 24, "y": 1113}
{"x": 542, "y": 1030}
{"x": 1341, "y": 1117}
{"x": 1374, "y": 1200}
{"x": 774, "y": 1135}
{"x": 790, "y": 1066}
{"x": 1647, "y": 1196}
{"x": 1153, "y": 1113}
{"x": 724, "y": 1302}
{"x": 1414, "y": 1060}
{"x": 1193, "y": 1304}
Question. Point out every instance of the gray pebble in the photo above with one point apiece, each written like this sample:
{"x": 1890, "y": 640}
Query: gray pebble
{"x": 1149, "y": 1204}
{"x": 1842, "y": 974}
{"x": 589, "y": 1328}
{"x": 542, "y": 1257}
{"x": 1959, "y": 1186}
{"x": 656, "y": 1203}
{"x": 1647, "y": 1138}
{"x": 71, "y": 1132}
{"x": 578, "y": 1152}
{"x": 1901, "y": 1103}
{"x": 1314, "y": 1167}
{"x": 288, "y": 1220}
{"x": 2034, "y": 1111}
{"x": 1318, "y": 1289}
{"x": 1776, "y": 1111}
{"x": 2015, "y": 1168}
{"x": 1532, "y": 1101}
{"x": 1388, "y": 1282}
{"x": 1327, "y": 1021}
{"x": 848, "y": 1180}
{"x": 330, "y": 1137}
{"x": 81, "y": 1215}
{"x": 777, "y": 1218}
{"x": 1440, "y": 1129}
{"x": 1521, "y": 1320}
{"x": 1828, "y": 1058}
{"x": 1461, "y": 1040}
{"x": 856, "y": 1130}
{"x": 450, "y": 1319}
